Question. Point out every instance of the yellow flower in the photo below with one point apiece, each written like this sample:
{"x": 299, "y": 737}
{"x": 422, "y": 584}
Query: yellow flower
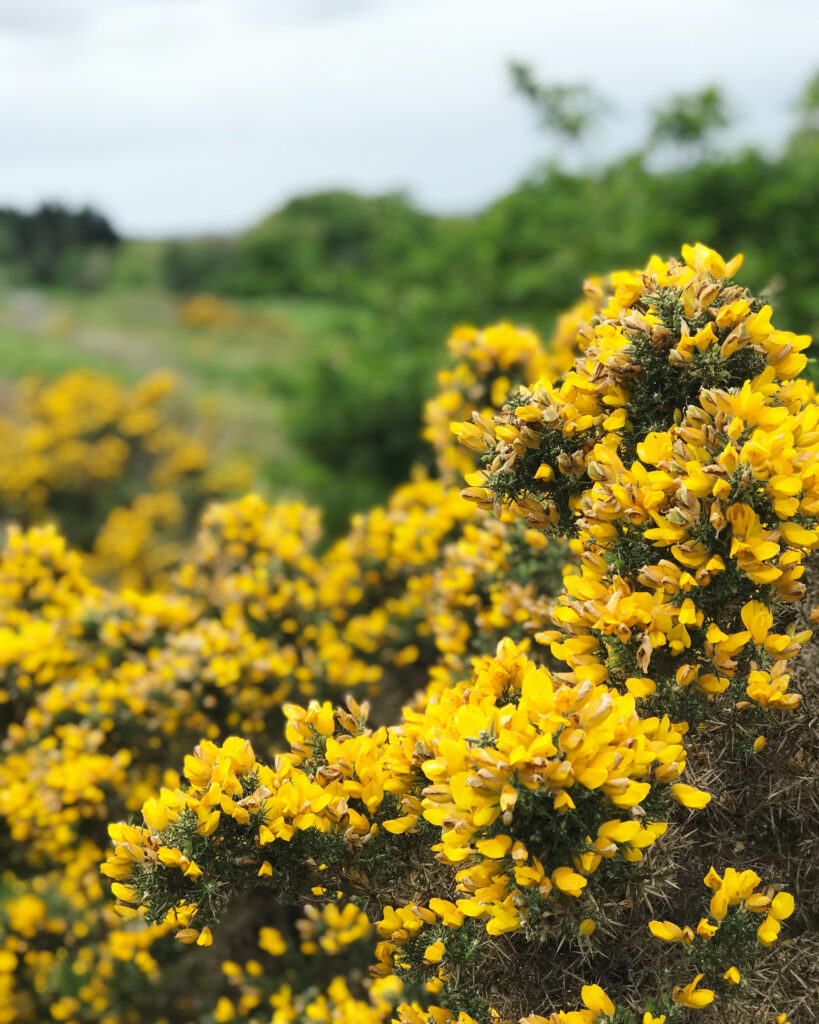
{"x": 732, "y": 976}
{"x": 569, "y": 881}
{"x": 397, "y": 826}
{"x": 224, "y": 1011}
{"x": 272, "y": 941}
{"x": 155, "y": 814}
{"x": 8, "y": 961}
{"x": 758, "y": 620}
{"x": 691, "y": 996}
{"x": 782, "y": 906}
{"x": 451, "y": 916}
{"x": 641, "y": 687}
{"x": 688, "y": 796}
{"x": 713, "y": 879}
{"x": 768, "y": 931}
{"x": 208, "y": 821}
{"x": 587, "y": 926}
{"x": 496, "y": 847}
{"x": 596, "y": 1000}
{"x": 619, "y": 831}
{"x": 666, "y": 930}
{"x": 434, "y": 953}
{"x": 705, "y": 929}
{"x": 127, "y": 893}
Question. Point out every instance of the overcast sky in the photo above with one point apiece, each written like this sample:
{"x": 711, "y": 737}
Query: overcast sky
{"x": 196, "y": 115}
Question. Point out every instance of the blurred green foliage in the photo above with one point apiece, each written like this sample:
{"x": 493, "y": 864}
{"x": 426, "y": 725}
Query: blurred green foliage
{"x": 690, "y": 119}
{"x": 566, "y": 110}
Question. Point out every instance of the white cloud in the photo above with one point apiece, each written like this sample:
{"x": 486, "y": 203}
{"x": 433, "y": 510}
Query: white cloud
{"x": 202, "y": 114}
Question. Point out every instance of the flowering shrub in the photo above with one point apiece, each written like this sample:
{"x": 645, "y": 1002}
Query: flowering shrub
{"x": 103, "y": 691}
{"x": 467, "y": 762}
{"x": 512, "y": 802}
{"x": 611, "y": 763}
{"x": 692, "y": 548}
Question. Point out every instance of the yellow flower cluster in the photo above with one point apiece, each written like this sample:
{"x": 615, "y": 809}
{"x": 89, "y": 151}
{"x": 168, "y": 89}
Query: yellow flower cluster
{"x": 598, "y": 1007}
{"x": 714, "y": 943}
{"x": 490, "y": 364}
{"x": 734, "y": 889}
{"x": 80, "y": 447}
{"x": 90, "y": 689}
{"x": 335, "y": 1005}
{"x": 139, "y": 539}
{"x": 44, "y": 799}
{"x": 487, "y": 763}
{"x": 56, "y": 926}
{"x": 60, "y": 778}
{"x": 331, "y": 928}
{"x": 417, "y": 1013}
{"x": 690, "y": 548}
{"x": 210, "y": 311}
{"x": 102, "y": 691}
{"x": 718, "y": 941}
{"x": 255, "y": 987}
{"x": 497, "y": 579}
{"x": 512, "y": 745}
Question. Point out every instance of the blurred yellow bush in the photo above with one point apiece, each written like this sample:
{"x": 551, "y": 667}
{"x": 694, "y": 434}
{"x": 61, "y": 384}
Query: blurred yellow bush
{"x": 114, "y": 466}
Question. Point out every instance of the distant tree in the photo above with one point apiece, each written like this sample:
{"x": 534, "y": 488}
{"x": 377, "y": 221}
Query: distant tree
{"x": 566, "y": 111}
{"x": 689, "y": 121}
{"x": 51, "y": 242}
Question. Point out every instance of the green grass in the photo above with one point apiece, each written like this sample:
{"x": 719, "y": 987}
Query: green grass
{"x": 21, "y": 355}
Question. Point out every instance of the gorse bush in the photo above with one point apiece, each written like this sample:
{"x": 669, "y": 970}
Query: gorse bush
{"x": 485, "y": 366}
{"x": 538, "y": 801}
{"x": 544, "y": 754}
{"x": 105, "y": 690}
